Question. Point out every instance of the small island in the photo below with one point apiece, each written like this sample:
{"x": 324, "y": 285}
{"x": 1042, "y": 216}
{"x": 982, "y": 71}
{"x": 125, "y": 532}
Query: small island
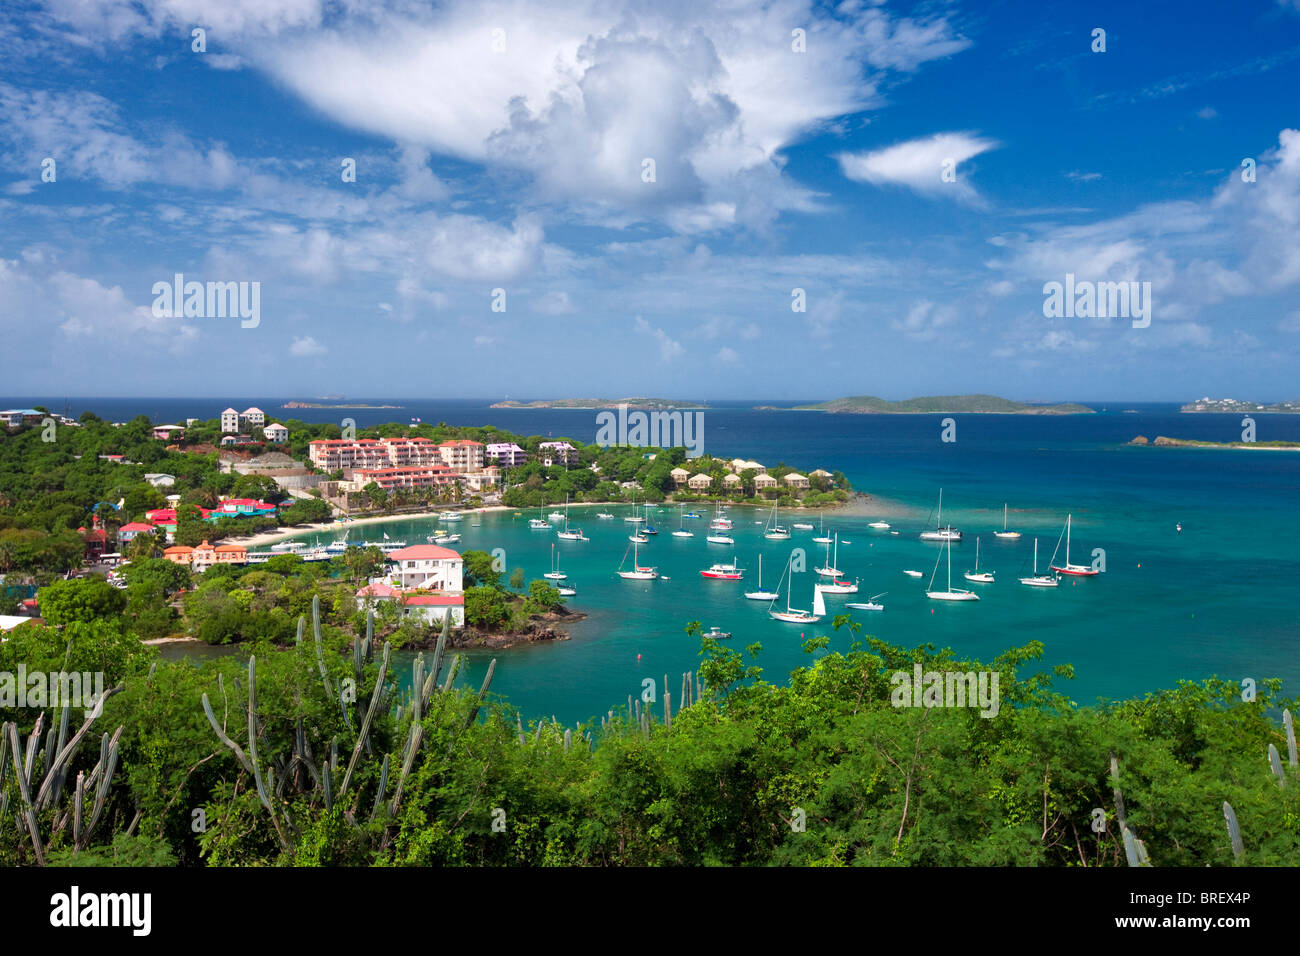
{"x": 1232, "y": 406}
{"x": 940, "y": 404}
{"x": 639, "y": 404}
{"x": 322, "y": 405}
{"x": 1162, "y": 442}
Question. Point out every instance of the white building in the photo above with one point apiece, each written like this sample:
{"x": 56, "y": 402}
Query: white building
{"x": 229, "y": 420}
{"x": 160, "y": 480}
{"x": 276, "y": 433}
{"x": 252, "y": 416}
{"x": 427, "y": 567}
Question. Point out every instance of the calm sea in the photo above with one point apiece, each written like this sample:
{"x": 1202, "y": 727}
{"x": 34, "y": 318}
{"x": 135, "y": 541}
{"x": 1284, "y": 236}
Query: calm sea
{"x": 1217, "y": 599}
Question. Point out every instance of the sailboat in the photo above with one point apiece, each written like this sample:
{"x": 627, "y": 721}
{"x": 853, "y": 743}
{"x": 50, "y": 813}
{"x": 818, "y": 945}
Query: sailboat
{"x": 1040, "y": 580}
{"x": 940, "y": 533}
{"x": 978, "y": 576}
{"x": 633, "y": 518}
{"x": 762, "y": 594}
{"x": 555, "y": 574}
{"x": 882, "y": 525}
{"x": 802, "y": 526}
{"x": 869, "y": 605}
{"x": 951, "y": 594}
{"x": 773, "y": 531}
{"x": 648, "y": 528}
{"x": 681, "y": 531}
{"x": 1004, "y": 533}
{"x": 830, "y": 570}
{"x": 570, "y": 534}
{"x": 567, "y": 590}
{"x": 836, "y": 586}
{"x": 637, "y": 537}
{"x": 720, "y": 521}
{"x": 793, "y": 615}
{"x": 1083, "y": 570}
{"x": 822, "y": 536}
{"x": 637, "y": 573}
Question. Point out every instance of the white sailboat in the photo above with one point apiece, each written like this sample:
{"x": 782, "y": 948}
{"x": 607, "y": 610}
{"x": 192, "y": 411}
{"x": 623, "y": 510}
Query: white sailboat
{"x": 882, "y": 525}
{"x": 633, "y": 518}
{"x": 637, "y": 573}
{"x": 836, "y": 586}
{"x": 793, "y": 615}
{"x": 951, "y": 594}
{"x": 717, "y": 537}
{"x": 648, "y": 528}
{"x": 567, "y": 590}
{"x": 555, "y": 574}
{"x": 822, "y": 536}
{"x": 681, "y": 531}
{"x": 941, "y": 533}
{"x": 774, "y": 531}
{"x": 978, "y": 576}
{"x": 801, "y": 526}
{"x": 830, "y": 570}
{"x": 539, "y": 523}
{"x": 1040, "y": 580}
{"x": 1083, "y": 570}
{"x": 570, "y": 534}
{"x": 762, "y": 594}
{"x": 1004, "y": 533}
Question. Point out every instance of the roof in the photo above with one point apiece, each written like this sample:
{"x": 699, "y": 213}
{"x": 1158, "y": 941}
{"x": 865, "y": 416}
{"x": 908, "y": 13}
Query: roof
{"x": 379, "y": 589}
{"x": 230, "y": 411}
{"x": 135, "y": 526}
{"x": 460, "y": 442}
{"x": 434, "y": 600}
{"x": 253, "y": 410}
{"x": 159, "y": 428}
{"x": 178, "y": 549}
{"x": 424, "y": 552}
{"x": 679, "y": 471}
{"x": 230, "y": 548}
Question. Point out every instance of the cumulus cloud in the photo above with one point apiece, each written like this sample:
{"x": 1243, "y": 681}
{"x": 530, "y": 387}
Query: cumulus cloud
{"x": 919, "y": 164}
{"x": 669, "y": 348}
{"x": 305, "y": 347}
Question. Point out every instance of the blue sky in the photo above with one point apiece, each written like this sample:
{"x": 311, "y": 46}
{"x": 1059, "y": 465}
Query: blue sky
{"x": 502, "y": 146}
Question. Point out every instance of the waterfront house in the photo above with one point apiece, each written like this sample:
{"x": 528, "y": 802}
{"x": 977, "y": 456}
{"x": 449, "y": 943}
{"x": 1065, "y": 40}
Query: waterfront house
{"x": 339, "y": 454}
{"x": 252, "y": 416}
{"x": 764, "y": 481}
{"x": 737, "y": 465}
{"x": 169, "y": 432}
{"x": 203, "y": 557}
{"x": 178, "y": 554}
{"x": 796, "y": 480}
{"x": 700, "y": 482}
{"x": 506, "y": 454}
{"x": 229, "y": 420}
{"x": 427, "y": 566}
{"x": 680, "y": 476}
{"x": 159, "y": 479}
{"x": 276, "y": 433}
{"x": 731, "y": 482}
{"x": 462, "y": 454}
{"x": 820, "y": 473}
{"x": 231, "y": 554}
{"x": 430, "y": 608}
{"x": 413, "y": 476}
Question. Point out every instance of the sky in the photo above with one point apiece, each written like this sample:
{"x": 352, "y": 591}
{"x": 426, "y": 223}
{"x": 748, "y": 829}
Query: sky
{"x": 679, "y": 199}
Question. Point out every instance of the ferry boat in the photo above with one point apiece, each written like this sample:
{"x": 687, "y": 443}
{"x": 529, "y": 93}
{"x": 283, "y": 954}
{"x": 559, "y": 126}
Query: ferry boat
{"x": 724, "y": 572}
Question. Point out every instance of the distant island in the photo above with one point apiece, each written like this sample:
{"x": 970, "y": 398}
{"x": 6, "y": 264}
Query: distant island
{"x": 938, "y": 404}
{"x": 642, "y": 404}
{"x": 1234, "y": 406}
{"x": 320, "y": 405}
{"x": 1162, "y": 442}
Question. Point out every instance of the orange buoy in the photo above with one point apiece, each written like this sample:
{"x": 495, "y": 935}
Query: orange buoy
{"x": 638, "y": 657}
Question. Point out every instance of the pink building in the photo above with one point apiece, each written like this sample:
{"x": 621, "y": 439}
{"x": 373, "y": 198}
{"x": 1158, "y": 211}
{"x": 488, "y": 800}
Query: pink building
{"x": 557, "y": 451}
{"x": 462, "y": 454}
{"x": 506, "y": 454}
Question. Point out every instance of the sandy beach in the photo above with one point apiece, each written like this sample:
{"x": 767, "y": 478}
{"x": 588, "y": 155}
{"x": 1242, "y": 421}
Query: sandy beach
{"x": 270, "y": 537}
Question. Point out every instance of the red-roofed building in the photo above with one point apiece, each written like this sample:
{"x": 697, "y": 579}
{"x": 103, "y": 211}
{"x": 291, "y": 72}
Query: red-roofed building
{"x": 128, "y": 531}
{"x": 431, "y": 608}
{"x": 178, "y": 554}
{"x": 411, "y": 476}
{"x": 428, "y": 566}
{"x": 96, "y": 541}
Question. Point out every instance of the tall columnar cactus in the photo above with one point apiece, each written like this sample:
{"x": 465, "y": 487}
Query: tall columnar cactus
{"x": 1275, "y": 762}
{"x": 1234, "y": 831}
{"x": 482, "y": 692}
{"x": 1288, "y": 722}
{"x": 375, "y": 696}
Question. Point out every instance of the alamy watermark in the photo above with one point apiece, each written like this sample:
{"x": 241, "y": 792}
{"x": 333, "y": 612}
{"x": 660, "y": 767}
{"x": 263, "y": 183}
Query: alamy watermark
{"x": 651, "y": 429}
{"x": 1098, "y": 300}
{"x": 211, "y": 300}
{"x": 946, "y": 689}
{"x": 44, "y": 689}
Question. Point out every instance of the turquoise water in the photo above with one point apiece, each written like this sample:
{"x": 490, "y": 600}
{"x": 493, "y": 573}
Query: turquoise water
{"x": 1216, "y": 599}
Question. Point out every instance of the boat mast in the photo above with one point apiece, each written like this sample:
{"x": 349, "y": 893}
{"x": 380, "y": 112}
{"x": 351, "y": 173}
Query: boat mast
{"x": 1068, "y": 518}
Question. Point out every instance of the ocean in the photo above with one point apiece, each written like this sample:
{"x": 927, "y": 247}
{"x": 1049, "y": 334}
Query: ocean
{"x": 1216, "y": 599}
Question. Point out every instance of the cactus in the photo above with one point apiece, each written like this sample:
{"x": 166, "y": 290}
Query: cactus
{"x": 1275, "y": 762}
{"x": 1289, "y": 723}
{"x": 482, "y": 692}
{"x": 1234, "y": 831}
{"x": 568, "y": 739}
{"x": 383, "y": 783}
{"x": 369, "y": 719}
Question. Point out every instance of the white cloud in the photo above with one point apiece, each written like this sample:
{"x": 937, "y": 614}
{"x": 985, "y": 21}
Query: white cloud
{"x": 1207, "y": 112}
{"x": 305, "y": 347}
{"x": 926, "y": 320}
{"x": 555, "y": 303}
{"x": 669, "y": 348}
{"x": 727, "y": 356}
{"x": 1079, "y": 177}
{"x": 919, "y": 164}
